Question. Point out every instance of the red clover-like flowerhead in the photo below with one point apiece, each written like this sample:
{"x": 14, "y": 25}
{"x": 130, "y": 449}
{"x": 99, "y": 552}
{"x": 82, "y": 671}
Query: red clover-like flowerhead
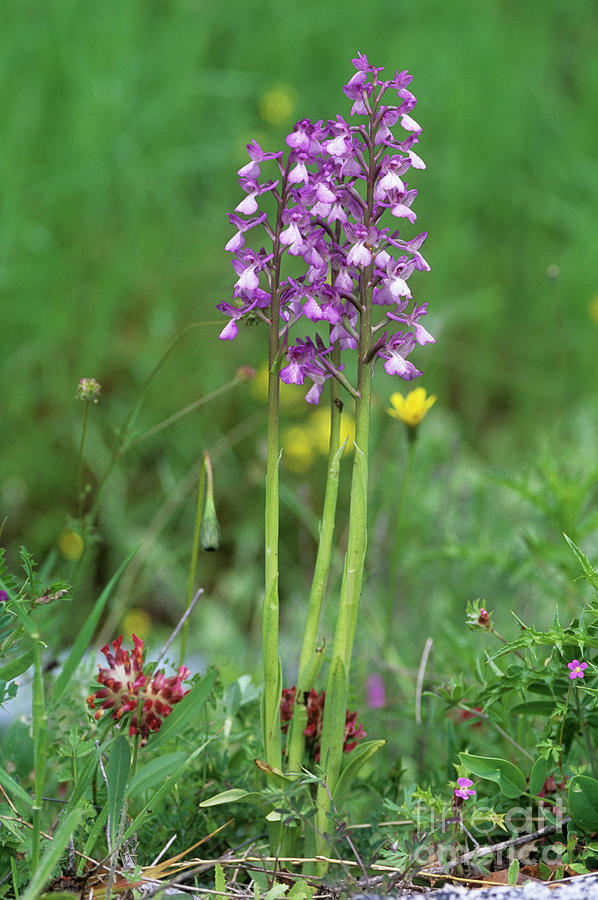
{"x": 334, "y": 203}
{"x": 314, "y": 705}
{"x": 126, "y": 689}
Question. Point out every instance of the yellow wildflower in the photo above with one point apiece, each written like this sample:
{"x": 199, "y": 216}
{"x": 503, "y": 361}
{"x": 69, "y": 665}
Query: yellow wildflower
{"x": 412, "y": 408}
{"x": 277, "y": 104}
{"x": 298, "y": 449}
{"x": 593, "y": 308}
{"x": 137, "y": 621}
{"x": 319, "y": 426}
{"x": 71, "y": 544}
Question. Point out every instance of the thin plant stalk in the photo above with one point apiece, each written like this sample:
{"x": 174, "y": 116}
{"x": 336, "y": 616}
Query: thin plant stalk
{"x": 310, "y": 654}
{"x": 80, "y": 463}
{"x": 337, "y": 686}
{"x": 201, "y": 490}
{"x": 40, "y": 724}
{"x": 125, "y": 431}
{"x": 270, "y": 620}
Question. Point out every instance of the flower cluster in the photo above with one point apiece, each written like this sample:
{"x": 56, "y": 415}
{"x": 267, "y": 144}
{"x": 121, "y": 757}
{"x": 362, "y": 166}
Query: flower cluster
{"x": 330, "y": 194}
{"x": 314, "y": 704}
{"x": 125, "y": 689}
{"x": 89, "y": 389}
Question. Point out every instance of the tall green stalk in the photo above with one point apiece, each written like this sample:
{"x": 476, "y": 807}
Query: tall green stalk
{"x": 270, "y": 618}
{"x": 311, "y": 655}
{"x": 344, "y": 635}
{"x": 40, "y": 725}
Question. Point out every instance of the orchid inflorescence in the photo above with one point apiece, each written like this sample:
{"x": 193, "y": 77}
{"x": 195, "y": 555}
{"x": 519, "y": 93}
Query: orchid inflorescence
{"x": 331, "y": 192}
{"x": 126, "y": 689}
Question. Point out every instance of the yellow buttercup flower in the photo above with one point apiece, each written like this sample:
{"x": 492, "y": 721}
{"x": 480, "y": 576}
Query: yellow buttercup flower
{"x": 412, "y": 408}
{"x": 277, "y": 104}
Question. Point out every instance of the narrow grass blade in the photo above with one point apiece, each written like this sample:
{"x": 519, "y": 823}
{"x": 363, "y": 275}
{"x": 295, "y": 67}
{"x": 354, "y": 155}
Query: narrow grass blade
{"x": 52, "y": 855}
{"x": 117, "y": 773}
{"x": 184, "y": 711}
{"x": 166, "y": 786}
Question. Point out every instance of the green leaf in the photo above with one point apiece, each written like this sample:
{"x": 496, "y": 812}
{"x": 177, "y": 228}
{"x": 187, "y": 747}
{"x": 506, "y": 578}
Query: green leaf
{"x": 509, "y": 778}
{"x": 16, "y": 666}
{"x": 219, "y": 879}
{"x": 583, "y": 802}
{"x": 85, "y": 776}
{"x": 48, "y": 862}
{"x": 13, "y": 787}
{"x": 357, "y": 758}
{"x": 589, "y": 573}
{"x": 117, "y": 774}
{"x": 513, "y": 872}
{"x": 154, "y": 771}
{"x": 334, "y": 721}
{"x": 184, "y": 711}
{"x": 234, "y": 795}
{"x": 164, "y": 788}
{"x": 84, "y": 637}
{"x": 538, "y": 775}
{"x": 534, "y": 708}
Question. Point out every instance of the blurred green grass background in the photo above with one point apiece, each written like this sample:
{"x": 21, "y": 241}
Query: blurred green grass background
{"x": 123, "y": 127}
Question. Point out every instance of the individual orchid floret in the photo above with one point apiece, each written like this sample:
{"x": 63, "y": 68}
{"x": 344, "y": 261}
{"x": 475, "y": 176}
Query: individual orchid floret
{"x": 242, "y": 225}
{"x": 304, "y": 363}
{"x": 395, "y": 353}
{"x": 422, "y": 335}
{"x": 577, "y": 669}
{"x": 126, "y": 689}
{"x": 463, "y": 791}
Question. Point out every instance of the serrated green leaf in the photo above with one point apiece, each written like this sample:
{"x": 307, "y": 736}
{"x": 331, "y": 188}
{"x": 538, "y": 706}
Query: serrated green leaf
{"x": 509, "y": 777}
{"x": 589, "y": 573}
{"x": 219, "y": 879}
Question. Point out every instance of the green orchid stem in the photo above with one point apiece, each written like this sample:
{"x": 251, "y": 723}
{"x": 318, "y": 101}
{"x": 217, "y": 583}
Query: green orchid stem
{"x": 310, "y": 657}
{"x": 40, "y": 723}
{"x": 586, "y": 732}
{"x": 270, "y": 616}
{"x": 333, "y": 730}
{"x": 80, "y": 464}
{"x": 201, "y": 491}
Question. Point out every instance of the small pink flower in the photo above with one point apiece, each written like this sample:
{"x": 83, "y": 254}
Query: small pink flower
{"x": 463, "y": 790}
{"x": 577, "y": 668}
